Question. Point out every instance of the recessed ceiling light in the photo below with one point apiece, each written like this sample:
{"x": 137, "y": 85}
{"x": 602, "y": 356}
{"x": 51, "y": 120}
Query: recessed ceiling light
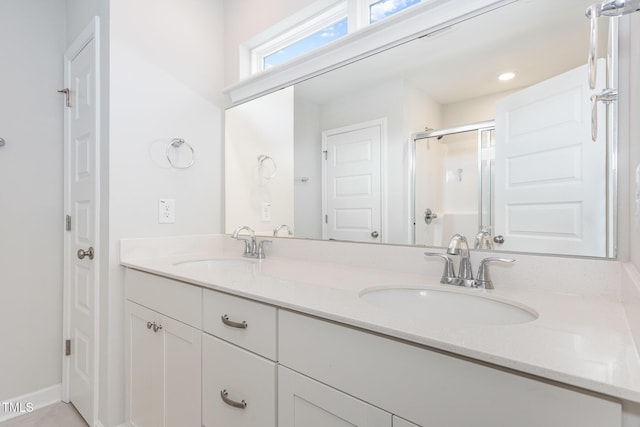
{"x": 506, "y": 76}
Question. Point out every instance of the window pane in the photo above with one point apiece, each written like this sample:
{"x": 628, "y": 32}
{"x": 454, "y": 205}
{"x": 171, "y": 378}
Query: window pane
{"x": 307, "y": 44}
{"x": 383, "y": 8}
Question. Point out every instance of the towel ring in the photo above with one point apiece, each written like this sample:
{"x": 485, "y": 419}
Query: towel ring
{"x": 177, "y": 143}
{"x": 261, "y": 159}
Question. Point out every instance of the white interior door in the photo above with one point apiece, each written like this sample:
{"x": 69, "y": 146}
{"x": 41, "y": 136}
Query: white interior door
{"x": 550, "y": 176}
{"x": 81, "y": 205}
{"x": 352, "y": 182}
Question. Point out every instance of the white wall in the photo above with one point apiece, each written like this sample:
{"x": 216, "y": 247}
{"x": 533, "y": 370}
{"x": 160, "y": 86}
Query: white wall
{"x": 165, "y": 82}
{"x": 262, "y": 127}
{"x": 162, "y": 74}
{"x": 31, "y": 222}
{"x": 307, "y": 161}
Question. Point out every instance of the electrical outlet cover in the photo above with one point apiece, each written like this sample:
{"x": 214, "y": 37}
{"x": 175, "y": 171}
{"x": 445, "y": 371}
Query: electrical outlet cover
{"x": 166, "y": 211}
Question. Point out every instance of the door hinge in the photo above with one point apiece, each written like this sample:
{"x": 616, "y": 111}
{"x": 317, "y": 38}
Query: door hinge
{"x": 67, "y": 222}
{"x": 326, "y": 219}
{"x": 325, "y": 153}
{"x": 67, "y": 348}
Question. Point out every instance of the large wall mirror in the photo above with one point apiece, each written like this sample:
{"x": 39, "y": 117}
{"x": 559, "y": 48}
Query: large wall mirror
{"x": 421, "y": 141}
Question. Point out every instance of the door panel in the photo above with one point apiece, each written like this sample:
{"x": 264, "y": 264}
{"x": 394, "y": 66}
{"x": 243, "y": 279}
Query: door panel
{"x": 352, "y": 183}
{"x": 81, "y": 175}
{"x": 550, "y": 176}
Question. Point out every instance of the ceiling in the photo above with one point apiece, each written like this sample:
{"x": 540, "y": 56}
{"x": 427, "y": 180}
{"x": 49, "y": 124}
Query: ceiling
{"x": 536, "y": 39}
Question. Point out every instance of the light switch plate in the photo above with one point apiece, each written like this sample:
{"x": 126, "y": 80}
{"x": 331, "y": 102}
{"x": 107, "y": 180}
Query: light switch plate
{"x": 166, "y": 211}
{"x": 266, "y": 211}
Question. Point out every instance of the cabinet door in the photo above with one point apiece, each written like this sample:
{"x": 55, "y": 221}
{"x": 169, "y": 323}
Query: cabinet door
{"x": 245, "y": 377}
{"x": 145, "y": 383}
{"x": 303, "y": 402}
{"x": 163, "y": 370}
{"x": 182, "y": 354}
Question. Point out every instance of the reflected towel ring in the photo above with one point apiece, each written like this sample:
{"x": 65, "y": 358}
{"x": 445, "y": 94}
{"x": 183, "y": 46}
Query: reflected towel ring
{"x": 261, "y": 159}
{"x": 177, "y": 143}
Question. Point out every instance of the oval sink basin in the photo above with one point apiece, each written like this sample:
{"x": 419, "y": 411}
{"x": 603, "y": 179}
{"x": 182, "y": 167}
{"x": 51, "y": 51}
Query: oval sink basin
{"x": 446, "y": 307}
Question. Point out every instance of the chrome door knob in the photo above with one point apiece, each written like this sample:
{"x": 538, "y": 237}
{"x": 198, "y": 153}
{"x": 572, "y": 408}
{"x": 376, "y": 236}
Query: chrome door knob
{"x": 374, "y": 234}
{"x": 82, "y": 253}
{"x": 499, "y": 239}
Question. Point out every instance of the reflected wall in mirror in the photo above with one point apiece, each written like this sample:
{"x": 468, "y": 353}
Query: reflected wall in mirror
{"x": 354, "y": 161}
{"x": 259, "y": 163}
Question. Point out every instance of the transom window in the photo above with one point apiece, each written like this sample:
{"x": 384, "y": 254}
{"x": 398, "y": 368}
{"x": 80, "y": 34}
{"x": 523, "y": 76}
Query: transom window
{"x": 306, "y": 44}
{"x": 314, "y": 29}
{"x": 385, "y": 8}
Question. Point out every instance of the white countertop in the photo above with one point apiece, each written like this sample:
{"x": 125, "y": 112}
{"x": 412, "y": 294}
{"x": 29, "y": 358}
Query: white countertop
{"x": 580, "y": 340}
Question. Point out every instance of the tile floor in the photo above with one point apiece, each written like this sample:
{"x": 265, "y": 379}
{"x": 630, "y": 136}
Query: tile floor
{"x": 56, "y": 415}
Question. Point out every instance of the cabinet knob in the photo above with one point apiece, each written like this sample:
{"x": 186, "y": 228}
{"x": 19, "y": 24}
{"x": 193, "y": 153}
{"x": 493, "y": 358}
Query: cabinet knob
{"x": 149, "y": 325}
{"x": 156, "y": 327}
{"x": 225, "y": 398}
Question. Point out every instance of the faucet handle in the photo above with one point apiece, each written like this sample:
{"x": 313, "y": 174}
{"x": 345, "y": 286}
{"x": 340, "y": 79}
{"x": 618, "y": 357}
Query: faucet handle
{"x": 448, "y": 275}
{"x": 483, "y": 280}
{"x": 261, "y": 244}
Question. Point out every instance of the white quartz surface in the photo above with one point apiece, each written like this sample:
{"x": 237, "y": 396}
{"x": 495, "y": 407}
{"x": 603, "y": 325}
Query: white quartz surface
{"x": 579, "y": 339}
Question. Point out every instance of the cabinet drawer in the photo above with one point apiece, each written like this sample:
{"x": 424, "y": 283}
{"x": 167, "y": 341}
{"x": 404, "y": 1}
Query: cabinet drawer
{"x": 245, "y": 377}
{"x": 177, "y": 300}
{"x": 303, "y": 402}
{"x": 429, "y": 387}
{"x": 258, "y": 336}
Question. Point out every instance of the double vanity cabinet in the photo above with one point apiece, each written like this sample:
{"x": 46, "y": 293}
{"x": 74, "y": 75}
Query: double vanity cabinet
{"x": 198, "y": 356}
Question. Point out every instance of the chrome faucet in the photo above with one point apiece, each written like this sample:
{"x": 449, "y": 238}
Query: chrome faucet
{"x": 252, "y": 248}
{"x": 280, "y": 227}
{"x": 458, "y": 246}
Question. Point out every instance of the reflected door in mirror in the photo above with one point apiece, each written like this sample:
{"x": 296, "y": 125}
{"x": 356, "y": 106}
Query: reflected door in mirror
{"x": 352, "y": 190}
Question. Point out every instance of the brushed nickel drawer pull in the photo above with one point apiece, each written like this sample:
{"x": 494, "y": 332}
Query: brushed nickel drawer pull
{"x": 224, "y": 395}
{"x": 239, "y": 325}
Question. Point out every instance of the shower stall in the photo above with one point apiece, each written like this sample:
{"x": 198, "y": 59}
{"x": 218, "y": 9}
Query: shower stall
{"x": 452, "y": 184}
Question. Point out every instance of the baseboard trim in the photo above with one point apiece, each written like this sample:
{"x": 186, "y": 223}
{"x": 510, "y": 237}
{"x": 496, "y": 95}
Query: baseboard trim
{"x": 30, "y": 402}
